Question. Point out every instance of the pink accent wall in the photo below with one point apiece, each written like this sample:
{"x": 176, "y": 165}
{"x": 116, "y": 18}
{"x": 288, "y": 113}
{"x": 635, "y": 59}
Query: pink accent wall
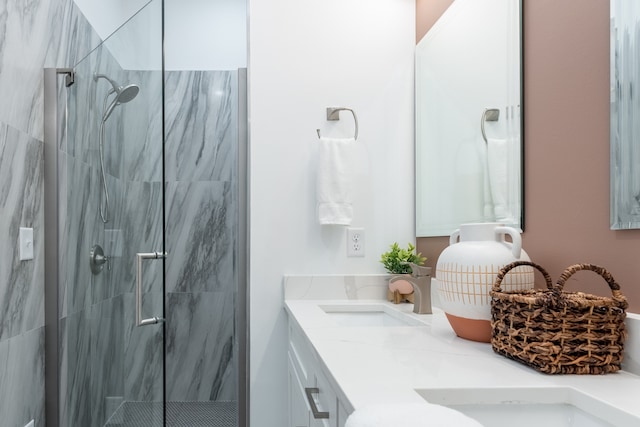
{"x": 566, "y": 111}
{"x": 427, "y": 13}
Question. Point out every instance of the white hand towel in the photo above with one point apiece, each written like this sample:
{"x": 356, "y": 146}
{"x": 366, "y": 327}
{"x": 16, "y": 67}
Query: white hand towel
{"x": 334, "y": 181}
{"x": 409, "y": 415}
{"x": 497, "y": 165}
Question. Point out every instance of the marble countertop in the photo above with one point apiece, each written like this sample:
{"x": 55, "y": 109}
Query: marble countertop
{"x": 374, "y": 365}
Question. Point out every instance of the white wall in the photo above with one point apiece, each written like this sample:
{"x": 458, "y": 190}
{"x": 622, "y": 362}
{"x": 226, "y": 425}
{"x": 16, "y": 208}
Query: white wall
{"x": 205, "y": 34}
{"x": 305, "y": 56}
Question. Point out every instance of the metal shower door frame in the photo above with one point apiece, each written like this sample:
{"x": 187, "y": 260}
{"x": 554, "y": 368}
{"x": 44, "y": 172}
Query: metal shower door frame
{"x": 51, "y": 259}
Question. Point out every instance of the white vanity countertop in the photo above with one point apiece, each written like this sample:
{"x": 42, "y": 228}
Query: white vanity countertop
{"x": 373, "y": 365}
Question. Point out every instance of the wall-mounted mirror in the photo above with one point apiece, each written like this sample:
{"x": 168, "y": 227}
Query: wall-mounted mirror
{"x": 469, "y": 118}
{"x": 625, "y": 126}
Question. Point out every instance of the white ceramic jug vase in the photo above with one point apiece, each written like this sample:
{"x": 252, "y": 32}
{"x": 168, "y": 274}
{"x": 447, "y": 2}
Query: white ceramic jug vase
{"x": 466, "y": 270}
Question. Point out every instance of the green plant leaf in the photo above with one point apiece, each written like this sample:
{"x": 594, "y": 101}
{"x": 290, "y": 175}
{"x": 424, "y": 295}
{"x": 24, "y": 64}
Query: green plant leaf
{"x": 396, "y": 260}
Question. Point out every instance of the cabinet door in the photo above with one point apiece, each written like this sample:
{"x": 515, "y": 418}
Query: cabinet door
{"x": 298, "y": 409}
{"x": 326, "y": 401}
{"x": 342, "y": 414}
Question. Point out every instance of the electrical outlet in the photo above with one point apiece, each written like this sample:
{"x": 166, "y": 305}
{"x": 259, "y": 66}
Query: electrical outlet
{"x": 355, "y": 242}
{"x": 26, "y": 243}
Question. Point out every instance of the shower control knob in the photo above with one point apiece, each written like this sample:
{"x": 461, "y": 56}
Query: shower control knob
{"x": 97, "y": 259}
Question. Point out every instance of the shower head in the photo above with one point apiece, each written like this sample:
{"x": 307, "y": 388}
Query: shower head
{"x": 127, "y": 93}
{"x": 124, "y": 94}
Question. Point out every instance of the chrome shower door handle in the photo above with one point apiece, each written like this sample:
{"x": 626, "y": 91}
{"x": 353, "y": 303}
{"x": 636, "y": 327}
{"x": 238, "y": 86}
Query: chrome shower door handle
{"x": 139, "y": 258}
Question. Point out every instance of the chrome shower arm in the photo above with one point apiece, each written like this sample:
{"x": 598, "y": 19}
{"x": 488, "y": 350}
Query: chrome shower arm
{"x": 115, "y": 85}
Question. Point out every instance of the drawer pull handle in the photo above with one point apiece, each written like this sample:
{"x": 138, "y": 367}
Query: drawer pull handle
{"x": 314, "y": 409}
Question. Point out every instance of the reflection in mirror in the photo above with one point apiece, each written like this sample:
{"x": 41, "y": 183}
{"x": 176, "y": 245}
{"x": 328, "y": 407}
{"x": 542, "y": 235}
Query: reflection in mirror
{"x": 468, "y": 118}
{"x": 625, "y": 126}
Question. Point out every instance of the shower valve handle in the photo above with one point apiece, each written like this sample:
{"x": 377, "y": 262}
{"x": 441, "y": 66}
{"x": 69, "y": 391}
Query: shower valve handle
{"x": 97, "y": 259}
{"x": 139, "y": 258}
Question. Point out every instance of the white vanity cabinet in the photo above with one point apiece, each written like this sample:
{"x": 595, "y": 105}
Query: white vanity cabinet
{"x": 313, "y": 401}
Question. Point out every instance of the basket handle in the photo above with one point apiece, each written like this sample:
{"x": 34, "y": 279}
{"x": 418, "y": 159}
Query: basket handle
{"x": 615, "y": 287}
{"x": 504, "y": 270}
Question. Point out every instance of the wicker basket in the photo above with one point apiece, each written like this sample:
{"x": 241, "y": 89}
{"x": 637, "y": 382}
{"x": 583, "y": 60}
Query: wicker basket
{"x": 559, "y": 332}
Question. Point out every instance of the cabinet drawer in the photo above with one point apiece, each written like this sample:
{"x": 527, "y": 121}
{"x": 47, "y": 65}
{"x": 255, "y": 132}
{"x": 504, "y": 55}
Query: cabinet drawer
{"x": 327, "y": 400}
{"x": 298, "y": 407}
{"x": 310, "y": 386}
{"x": 342, "y": 414}
{"x": 302, "y": 355}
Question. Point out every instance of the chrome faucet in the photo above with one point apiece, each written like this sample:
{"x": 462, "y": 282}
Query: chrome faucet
{"x": 420, "y": 279}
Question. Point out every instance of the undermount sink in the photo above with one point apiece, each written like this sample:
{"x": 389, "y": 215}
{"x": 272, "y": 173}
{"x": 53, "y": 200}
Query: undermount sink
{"x": 530, "y": 407}
{"x": 368, "y": 315}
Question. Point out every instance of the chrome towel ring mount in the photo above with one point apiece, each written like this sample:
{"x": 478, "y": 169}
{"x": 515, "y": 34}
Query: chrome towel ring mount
{"x": 488, "y": 115}
{"x": 333, "y": 114}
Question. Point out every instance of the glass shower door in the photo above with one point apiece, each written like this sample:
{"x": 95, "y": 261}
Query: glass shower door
{"x": 112, "y": 228}
{"x": 148, "y": 162}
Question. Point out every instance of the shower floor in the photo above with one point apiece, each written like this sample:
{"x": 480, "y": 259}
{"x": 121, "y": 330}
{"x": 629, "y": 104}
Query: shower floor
{"x": 179, "y": 414}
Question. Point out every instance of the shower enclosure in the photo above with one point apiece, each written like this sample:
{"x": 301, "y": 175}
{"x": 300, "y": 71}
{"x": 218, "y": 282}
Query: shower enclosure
{"x": 145, "y": 238}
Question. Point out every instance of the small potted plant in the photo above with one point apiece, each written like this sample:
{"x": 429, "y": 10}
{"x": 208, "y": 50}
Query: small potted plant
{"x": 397, "y": 262}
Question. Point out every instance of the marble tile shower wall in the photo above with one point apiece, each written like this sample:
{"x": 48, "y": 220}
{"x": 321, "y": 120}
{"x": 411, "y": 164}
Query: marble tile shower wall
{"x": 104, "y": 354}
{"x": 91, "y": 307}
{"x": 35, "y": 34}
{"x": 201, "y": 234}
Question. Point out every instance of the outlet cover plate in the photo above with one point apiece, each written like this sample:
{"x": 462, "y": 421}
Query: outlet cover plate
{"x": 26, "y": 243}
{"x": 355, "y": 242}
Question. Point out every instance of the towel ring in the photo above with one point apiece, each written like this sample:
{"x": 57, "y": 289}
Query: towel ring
{"x": 333, "y": 113}
{"x": 488, "y": 115}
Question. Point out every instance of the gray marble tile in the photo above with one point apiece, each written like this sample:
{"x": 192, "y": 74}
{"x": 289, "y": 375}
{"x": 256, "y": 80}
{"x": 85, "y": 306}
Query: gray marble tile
{"x": 34, "y": 35}
{"x": 200, "y": 346}
{"x": 113, "y": 139}
{"x": 201, "y": 125}
{"x": 70, "y": 37}
{"x": 75, "y": 370}
{"x": 86, "y": 103}
{"x": 200, "y": 235}
{"x": 107, "y": 355}
{"x": 22, "y": 379}
{"x": 81, "y": 228}
{"x": 141, "y": 120}
{"x": 141, "y": 226}
{"x": 25, "y": 39}
{"x": 143, "y": 351}
{"x": 108, "y": 283}
{"x": 132, "y": 133}
{"x": 21, "y": 203}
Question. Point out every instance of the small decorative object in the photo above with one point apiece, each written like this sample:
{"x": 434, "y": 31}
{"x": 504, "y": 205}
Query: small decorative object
{"x": 397, "y": 262}
{"x": 558, "y": 332}
{"x": 466, "y": 270}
